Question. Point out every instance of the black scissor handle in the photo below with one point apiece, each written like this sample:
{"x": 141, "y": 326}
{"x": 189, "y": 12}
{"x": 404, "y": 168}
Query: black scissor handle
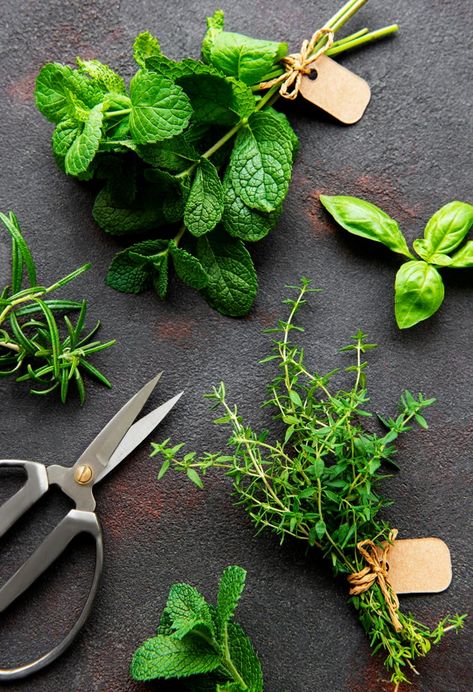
{"x": 73, "y": 524}
{"x": 36, "y": 486}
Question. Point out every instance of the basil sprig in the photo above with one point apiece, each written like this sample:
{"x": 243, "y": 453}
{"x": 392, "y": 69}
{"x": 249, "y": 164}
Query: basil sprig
{"x": 418, "y": 289}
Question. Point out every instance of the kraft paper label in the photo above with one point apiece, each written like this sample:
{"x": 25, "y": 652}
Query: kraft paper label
{"x": 419, "y": 565}
{"x": 336, "y": 90}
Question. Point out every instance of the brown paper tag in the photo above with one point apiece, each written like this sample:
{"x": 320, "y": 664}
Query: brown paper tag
{"x": 336, "y": 90}
{"x": 419, "y": 565}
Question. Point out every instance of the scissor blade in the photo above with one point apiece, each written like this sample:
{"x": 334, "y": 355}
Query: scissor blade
{"x": 138, "y": 432}
{"x": 98, "y": 453}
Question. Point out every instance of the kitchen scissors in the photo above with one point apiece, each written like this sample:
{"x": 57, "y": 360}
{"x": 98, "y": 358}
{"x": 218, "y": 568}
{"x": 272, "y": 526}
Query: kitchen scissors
{"x": 111, "y": 446}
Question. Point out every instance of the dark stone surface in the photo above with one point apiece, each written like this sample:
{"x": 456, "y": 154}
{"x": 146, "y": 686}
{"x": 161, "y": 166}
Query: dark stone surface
{"x": 410, "y": 154}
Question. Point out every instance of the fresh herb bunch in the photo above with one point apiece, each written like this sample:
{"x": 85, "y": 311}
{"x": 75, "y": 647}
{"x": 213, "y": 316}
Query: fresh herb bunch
{"x": 321, "y": 481}
{"x": 31, "y": 345}
{"x": 194, "y": 162}
{"x": 418, "y": 289}
{"x": 201, "y": 643}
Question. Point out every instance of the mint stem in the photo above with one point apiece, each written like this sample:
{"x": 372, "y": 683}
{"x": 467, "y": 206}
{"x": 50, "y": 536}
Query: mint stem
{"x": 366, "y": 38}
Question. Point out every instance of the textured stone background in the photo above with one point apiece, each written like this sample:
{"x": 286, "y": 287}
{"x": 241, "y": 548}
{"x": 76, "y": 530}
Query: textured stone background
{"x": 410, "y": 154}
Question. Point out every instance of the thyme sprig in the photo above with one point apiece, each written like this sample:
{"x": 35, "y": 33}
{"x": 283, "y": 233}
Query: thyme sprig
{"x": 33, "y": 346}
{"x": 321, "y": 481}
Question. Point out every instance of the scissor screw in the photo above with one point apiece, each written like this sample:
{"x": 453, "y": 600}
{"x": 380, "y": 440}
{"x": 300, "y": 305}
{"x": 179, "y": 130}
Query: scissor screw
{"x": 83, "y": 474}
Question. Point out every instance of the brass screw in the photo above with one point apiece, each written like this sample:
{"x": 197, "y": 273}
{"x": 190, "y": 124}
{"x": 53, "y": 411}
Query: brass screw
{"x": 83, "y": 474}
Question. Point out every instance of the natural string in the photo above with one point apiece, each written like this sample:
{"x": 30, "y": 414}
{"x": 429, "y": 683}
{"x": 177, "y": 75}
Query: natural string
{"x": 376, "y": 570}
{"x": 296, "y": 64}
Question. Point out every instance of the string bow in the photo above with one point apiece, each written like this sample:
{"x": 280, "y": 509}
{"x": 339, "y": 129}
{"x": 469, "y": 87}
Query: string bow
{"x": 297, "y": 64}
{"x": 376, "y": 570}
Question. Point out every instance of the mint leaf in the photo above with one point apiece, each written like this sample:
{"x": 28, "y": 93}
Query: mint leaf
{"x": 64, "y": 136}
{"x": 161, "y": 278}
{"x": 188, "y": 610}
{"x": 261, "y": 163}
{"x": 241, "y": 221}
{"x": 204, "y": 207}
{"x": 215, "y": 25}
{"x": 83, "y": 149}
{"x": 232, "y": 583}
{"x": 166, "y": 658}
{"x": 62, "y": 93}
{"x": 445, "y": 230}
{"x": 232, "y": 282}
{"x": 143, "y": 214}
{"x": 175, "y": 154}
{"x": 188, "y": 268}
{"x": 159, "y": 108}
{"x": 419, "y": 292}
{"x": 131, "y": 269}
{"x": 247, "y": 59}
{"x": 244, "y": 657}
{"x": 366, "y": 220}
{"x": 144, "y": 47}
{"x": 103, "y": 75}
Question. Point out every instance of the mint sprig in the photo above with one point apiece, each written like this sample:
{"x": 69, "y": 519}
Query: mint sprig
{"x": 191, "y": 149}
{"x": 196, "y": 639}
{"x": 419, "y": 290}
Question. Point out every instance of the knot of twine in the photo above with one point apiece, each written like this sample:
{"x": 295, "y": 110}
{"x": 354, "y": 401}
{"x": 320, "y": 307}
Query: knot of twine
{"x": 376, "y": 570}
{"x": 296, "y": 64}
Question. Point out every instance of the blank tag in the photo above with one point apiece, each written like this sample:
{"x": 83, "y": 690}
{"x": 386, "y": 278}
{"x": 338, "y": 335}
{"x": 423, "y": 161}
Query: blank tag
{"x": 419, "y": 565}
{"x": 336, "y": 90}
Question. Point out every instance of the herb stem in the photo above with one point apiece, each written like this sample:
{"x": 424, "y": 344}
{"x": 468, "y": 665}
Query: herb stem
{"x": 363, "y": 39}
{"x": 228, "y": 663}
{"x": 10, "y": 346}
{"x": 113, "y": 114}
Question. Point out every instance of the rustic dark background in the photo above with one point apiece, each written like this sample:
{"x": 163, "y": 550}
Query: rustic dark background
{"x": 410, "y": 154}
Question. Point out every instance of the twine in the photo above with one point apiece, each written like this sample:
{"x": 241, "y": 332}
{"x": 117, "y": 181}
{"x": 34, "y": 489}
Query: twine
{"x": 376, "y": 570}
{"x": 296, "y": 64}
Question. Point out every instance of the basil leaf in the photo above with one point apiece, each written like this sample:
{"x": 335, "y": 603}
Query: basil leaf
{"x": 366, "y": 220}
{"x": 419, "y": 292}
{"x": 159, "y": 108}
{"x": 445, "y": 230}
{"x": 204, "y": 207}
{"x": 247, "y": 59}
{"x": 261, "y": 163}
{"x": 232, "y": 282}
{"x": 464, "y": 256}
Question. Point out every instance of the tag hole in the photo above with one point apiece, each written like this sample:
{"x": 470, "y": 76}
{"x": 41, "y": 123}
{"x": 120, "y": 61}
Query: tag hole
{"x": 387, "y": 566}
{"x": 313, "y": 74}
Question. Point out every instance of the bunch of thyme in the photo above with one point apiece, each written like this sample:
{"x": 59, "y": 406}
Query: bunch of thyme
{"x": 320, "y": 482}
{"x": 31, "y": 345}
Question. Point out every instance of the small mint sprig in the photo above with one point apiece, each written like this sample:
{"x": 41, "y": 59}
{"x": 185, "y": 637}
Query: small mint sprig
{"x": 195, "y": 638}
{"x": 418, "y": 289}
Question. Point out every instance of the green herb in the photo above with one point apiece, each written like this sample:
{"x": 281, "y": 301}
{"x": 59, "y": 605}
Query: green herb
{"x": 418, "y": 289}
{"x": 34, "y": 347}
{"x": 320, "y": 480}
{"x": 200, "y": 642}
{"x": 193, "y": 160}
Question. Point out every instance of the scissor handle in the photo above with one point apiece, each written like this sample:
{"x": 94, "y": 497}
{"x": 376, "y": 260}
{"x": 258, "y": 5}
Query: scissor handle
{"x": 36, "y": 485}
{"x": 74, "y": 523}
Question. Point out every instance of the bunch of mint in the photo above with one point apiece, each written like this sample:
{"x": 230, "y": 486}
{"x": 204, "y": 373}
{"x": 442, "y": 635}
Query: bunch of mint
{"x": 192, "y": 162}
{"x": 200, "y": 642}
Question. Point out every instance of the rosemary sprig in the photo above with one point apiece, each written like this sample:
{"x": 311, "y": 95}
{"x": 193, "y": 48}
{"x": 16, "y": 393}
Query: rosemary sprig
{"x": 320, "y": 481}
{"x": 32, "y": 347}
